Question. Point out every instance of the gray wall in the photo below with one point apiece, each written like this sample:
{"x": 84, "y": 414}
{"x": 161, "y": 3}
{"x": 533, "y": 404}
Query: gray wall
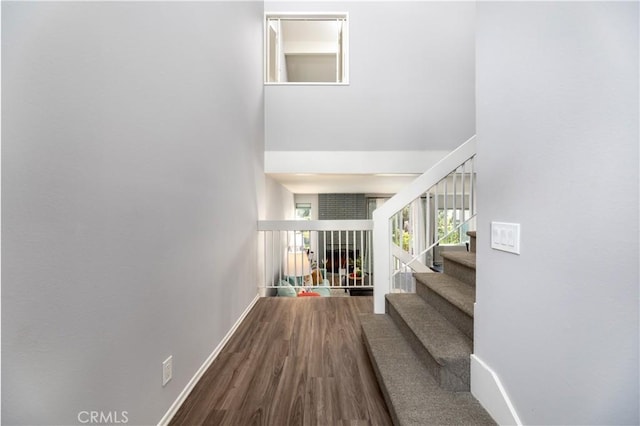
{"x": 557, "y": 88}
{"x": 279, "y": 205}
{"x": 279, "y": 202}
{"x": 411, "y": 82}
{"x": 130, "y": 157}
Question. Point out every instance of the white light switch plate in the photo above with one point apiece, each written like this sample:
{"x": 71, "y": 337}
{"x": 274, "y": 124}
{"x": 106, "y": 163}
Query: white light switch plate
{"x": 167, "y": 370}
{"x": 505, "y": 237}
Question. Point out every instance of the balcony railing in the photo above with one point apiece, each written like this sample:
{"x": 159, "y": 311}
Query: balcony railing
{"x": 333, "y": 254}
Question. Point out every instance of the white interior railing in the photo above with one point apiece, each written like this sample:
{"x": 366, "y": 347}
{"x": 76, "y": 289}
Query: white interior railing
{"x": 416, "y": 224}
{"x": 340, "y": 250}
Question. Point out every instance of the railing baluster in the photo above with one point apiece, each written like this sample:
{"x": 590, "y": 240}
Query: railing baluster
{"x": 400, "y": 236}
{"x": 279, "y": 256}
{"x": 346, "y": 234}
{"x": 370, "y": 255}
{"x": 340, "y": 254}
{"x": 355, "y": 250}
{"x": 436, "y": 224}
{"x": 464, "y": 198}
{"x": 460, "y": 202}
{"x": 455, "y": 194}
{"x": 265, "y": 261}
{"x": 362, "y": 260}
{"x": 269, "y": 259}
{"x": 427, "y": 226}
{"x": 324, "y": 256}
{"x": 472, "y": 188}
{"x": 295, "y": 266}
{"x": 390, "y": 258}
{"x": 333, "y": 256}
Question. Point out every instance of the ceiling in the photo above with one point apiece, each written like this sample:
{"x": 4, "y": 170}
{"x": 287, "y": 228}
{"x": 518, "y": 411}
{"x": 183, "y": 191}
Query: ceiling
{"x": 310, "y": 31}
{"x": 342, "y": 183}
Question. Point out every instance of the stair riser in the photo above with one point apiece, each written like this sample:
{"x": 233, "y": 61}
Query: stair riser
{"x": 446, "y": 378}
{"x": 462, "y": 272}
{"x": 453, "y": 314}
{"x": 472, "y": 245}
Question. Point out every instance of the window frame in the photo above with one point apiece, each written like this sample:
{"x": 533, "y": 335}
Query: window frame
{"x": 306, "y": 16}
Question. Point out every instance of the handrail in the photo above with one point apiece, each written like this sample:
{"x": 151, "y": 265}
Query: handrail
{"x": 431, "y": 177}
{"x": 382, "y": 232}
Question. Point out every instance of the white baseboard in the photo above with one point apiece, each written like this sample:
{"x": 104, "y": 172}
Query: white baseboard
{"x": 487, "y": 388}
{"x": 196, "y": 377}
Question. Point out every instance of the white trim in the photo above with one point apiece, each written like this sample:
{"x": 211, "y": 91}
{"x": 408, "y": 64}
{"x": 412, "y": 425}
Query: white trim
{"x": 351, "y": 162}
{"x": 487, "y": 388}
{"x": 408, "y": 259}
{"x": 203, "y": 368}
{"x": 308, "y": 16}
{"x": 294, "y": 83}
{"x": 381, "y": 263}
{"x": 315, "y": 225}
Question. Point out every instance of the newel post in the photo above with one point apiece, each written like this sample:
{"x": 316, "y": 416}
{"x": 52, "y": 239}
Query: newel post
{"x": 381, "y": 260}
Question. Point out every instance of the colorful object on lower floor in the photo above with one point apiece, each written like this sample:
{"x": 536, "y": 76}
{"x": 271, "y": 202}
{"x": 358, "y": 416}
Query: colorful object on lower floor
{"x": 308, "y": 294}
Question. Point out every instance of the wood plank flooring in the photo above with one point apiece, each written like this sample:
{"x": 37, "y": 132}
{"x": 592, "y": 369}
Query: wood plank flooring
{"x": 293, "y": 361}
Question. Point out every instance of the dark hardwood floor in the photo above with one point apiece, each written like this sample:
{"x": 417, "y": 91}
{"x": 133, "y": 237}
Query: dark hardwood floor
{"x": 293, "y": 361}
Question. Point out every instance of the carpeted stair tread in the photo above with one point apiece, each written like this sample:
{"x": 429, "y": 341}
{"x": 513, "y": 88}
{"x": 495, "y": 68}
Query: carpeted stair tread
{"x": 453, "y": 290}
{"x": 412, "y": 394}
{"x": 444, "y": 342}
{"x": 465, "y": 258}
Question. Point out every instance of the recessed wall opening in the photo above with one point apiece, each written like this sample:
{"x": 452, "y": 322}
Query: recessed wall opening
{"x": 306, "y": 48}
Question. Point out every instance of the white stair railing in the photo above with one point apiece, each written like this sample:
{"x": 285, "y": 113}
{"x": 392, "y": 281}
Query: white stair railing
{"x": 415, "y": 225}
{"x": 339, "y": 250}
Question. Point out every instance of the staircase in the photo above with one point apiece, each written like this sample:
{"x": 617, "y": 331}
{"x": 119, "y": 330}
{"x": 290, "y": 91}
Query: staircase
{"x": 420, "y": 348}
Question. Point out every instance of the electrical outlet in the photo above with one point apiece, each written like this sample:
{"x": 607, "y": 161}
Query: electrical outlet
{"x": 505, "y": 237}
{"x": 167, "y": 370}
